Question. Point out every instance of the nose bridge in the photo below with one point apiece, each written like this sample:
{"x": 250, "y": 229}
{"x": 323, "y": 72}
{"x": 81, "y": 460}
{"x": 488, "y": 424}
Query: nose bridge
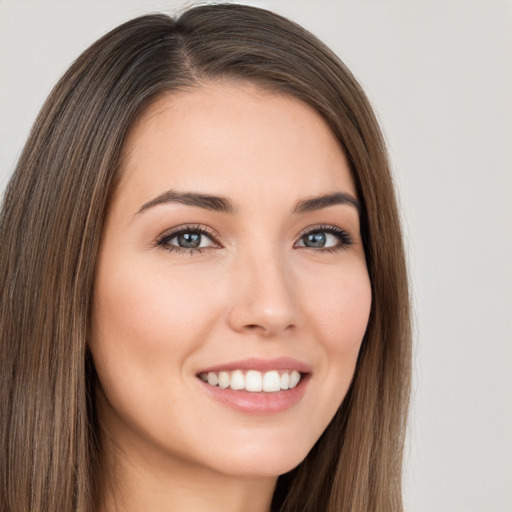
{"x": 263, "y": 298}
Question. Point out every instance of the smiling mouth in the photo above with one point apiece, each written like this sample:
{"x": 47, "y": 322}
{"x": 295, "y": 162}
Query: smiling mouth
{"x": 253, "y": 381}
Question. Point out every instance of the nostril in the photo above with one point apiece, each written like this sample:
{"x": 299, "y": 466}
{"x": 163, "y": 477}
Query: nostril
{"x": 267, "y": 329}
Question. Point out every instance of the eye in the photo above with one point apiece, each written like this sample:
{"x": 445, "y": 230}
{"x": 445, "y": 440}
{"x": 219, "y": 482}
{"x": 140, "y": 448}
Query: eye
{"x": 325, "y": 237}
{"x": 187, "y": 239}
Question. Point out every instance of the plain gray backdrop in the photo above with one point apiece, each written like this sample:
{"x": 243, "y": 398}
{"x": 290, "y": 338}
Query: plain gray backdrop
{"x": 439, "y": 74}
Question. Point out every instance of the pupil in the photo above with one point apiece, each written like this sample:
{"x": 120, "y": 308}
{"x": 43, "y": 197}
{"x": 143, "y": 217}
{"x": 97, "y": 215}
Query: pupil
{"x": 315, "y": 239}
{"x": 189, "y": 240}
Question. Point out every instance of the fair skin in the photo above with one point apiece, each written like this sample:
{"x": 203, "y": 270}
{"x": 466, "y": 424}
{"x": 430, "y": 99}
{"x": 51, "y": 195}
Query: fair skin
{"x": 188, "y": 288}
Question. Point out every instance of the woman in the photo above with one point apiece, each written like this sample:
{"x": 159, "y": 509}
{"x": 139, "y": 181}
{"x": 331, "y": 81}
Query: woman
{"x": 204, "y": 290}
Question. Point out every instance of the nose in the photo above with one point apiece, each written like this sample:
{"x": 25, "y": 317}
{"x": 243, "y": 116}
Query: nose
{"x": 263, "y": 298}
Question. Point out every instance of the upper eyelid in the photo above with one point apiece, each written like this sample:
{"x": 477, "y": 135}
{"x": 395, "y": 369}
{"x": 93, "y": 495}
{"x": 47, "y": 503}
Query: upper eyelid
{"x": 323, "y": 227}
{"x": 212, "y": 232}
{"x": 172, "y": 232}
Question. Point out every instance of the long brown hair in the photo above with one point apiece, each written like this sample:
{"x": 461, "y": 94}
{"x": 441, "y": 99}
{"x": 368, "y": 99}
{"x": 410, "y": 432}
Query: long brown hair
{"x": 50, "y": 228}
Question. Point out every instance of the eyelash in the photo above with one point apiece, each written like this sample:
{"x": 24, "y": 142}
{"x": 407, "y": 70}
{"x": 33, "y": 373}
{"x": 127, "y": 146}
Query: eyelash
{"x": 345, "y": 240}
{"x": 163, "y": 241}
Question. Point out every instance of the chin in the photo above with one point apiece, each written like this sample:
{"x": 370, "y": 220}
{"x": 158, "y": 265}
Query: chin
{"x": 263, "y": 467}
{"x": 262, "y": 459}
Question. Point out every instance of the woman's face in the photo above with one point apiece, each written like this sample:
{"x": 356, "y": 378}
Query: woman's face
{"x": 231, "y": 252}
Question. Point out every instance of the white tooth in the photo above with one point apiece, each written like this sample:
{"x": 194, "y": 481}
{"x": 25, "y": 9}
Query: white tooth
{"x": 253, "y": 381}
{"x": 237, "y": 380}
{"x": 294, "y": 378}
{"x": 271, "y": 381}
{"x": 223, "y": 380}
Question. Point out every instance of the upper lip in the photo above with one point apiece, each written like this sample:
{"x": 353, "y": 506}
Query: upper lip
{"x": 262, "y": 365}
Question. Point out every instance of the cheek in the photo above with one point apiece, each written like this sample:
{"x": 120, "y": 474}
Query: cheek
{"x": 145, "y": 325}
{"x": 148, "y": 311}
{"x": 340, "y": 309}
{"x": 340, "y": 305}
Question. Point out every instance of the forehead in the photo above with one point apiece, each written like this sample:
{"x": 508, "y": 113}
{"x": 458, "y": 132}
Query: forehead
{"x": 233, "y": 139}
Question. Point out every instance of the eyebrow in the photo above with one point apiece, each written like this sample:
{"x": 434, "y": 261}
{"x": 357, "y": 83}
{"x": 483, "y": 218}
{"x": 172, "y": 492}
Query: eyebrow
{"x": 320, "y": 202}
{"x": 225, "y": 205}
{"x": 208, "y": 202}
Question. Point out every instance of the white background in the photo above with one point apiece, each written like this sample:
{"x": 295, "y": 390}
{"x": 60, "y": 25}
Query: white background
{"x": 439, "y": 74}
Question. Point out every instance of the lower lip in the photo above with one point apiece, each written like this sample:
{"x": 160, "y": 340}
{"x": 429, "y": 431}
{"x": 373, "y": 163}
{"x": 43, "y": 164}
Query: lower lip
{"x": 258, "y": 403}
